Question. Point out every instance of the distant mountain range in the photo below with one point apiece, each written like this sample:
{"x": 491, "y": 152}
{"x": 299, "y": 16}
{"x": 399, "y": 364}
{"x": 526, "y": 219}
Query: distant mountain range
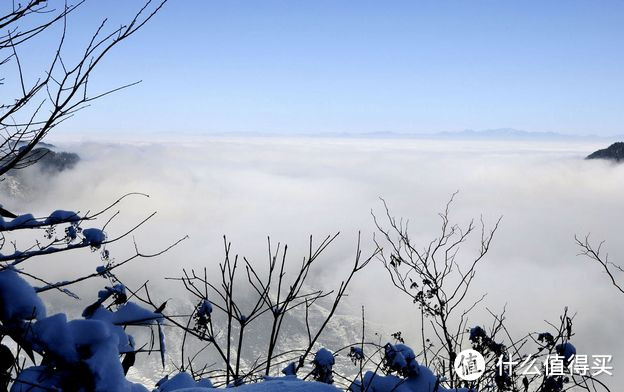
{"x": 467, "y": 134}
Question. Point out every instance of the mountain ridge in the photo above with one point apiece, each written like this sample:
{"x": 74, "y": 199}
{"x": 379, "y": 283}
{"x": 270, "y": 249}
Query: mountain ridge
{"x": 615, "y": 152}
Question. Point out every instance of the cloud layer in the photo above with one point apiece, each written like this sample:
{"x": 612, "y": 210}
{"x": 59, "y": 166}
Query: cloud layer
{"x": 289, "y": 188}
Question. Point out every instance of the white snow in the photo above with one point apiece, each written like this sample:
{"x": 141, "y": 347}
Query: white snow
{"x": 94, "y": 237}
{"x": 18, "y": 299}
{"x": 205, "y": 308}
{"x": 183, "y": 382}
{"x": 94, "y": 344}
{"x": 22, "y": 221}
{"x": 62, "y": 216}
{"x": 566, "y": 350}
{"x": 132, "y": 314}
{"x": 324, "y": 357}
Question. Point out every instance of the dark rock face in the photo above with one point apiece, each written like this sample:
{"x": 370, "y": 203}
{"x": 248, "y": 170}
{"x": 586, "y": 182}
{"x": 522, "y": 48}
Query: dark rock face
{"x": 614, "y": 152}
{"x": 52, "y": 162}
{"x": 44, "y": 160}
{"x": 47, "y": 158}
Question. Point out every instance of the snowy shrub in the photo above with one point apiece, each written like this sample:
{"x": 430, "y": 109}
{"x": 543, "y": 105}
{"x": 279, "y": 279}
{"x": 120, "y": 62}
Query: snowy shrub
{"x": 421, "y": 380}
{"x": 323, "y": 363}
{"x": 547, "y": 338}
{"x": 400, "y": 359}
{"x": 356, "y": 354}
{"x": 54, "y": 353}
{"x": 290, "y": 369}
{"x": 94, "y": 237}
{"x": 204, "y": 309}
{"x": 437, "y": 276}
{"x": 76, "y": 354}
{"x": 566, "y": 350}
{"x": 202, "y": 317}
{"x": 221, "y": 326}
{"x": 71, "y": 232}
{"x": 402, "y": 374}
{"x": 18, "y": 300}
{"x": 483, "y": 343}
{"x": 181, "y": 380}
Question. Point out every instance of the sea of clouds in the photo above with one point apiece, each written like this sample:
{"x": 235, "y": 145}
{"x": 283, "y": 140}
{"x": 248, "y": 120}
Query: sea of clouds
{"x": 249, "y": 188}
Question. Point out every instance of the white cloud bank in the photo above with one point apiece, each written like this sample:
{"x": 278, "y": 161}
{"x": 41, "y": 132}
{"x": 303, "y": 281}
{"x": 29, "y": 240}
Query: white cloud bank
{"x": 291, "y": 188}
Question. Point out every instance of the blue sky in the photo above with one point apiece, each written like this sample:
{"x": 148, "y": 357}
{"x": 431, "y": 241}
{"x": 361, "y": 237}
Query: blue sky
{"x": 363, "y": 66}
